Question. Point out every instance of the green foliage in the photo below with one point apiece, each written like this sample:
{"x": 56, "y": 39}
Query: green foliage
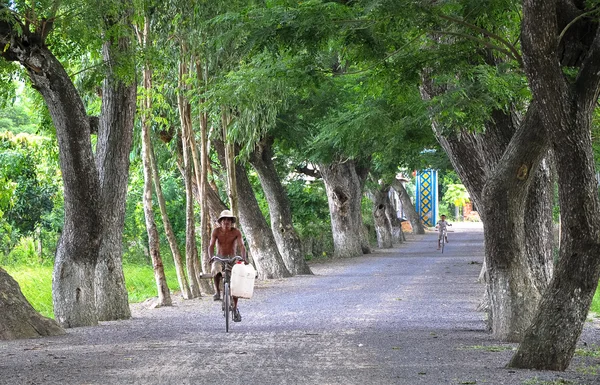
{"x": 17, "y": 119}
{"x": 135, "y": 237}
{"x": 310, "y": 214}
{"x": 456, "y": 194}
{"x": 453, "y": 193}
{"x": 25, "y": 197}
{"x": 36, "y": 285}
{"x": 23, "y": 254}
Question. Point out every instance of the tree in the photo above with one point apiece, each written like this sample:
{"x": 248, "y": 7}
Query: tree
{"x": 343, "y": 183}
{"x": 186, "y": 293}
{"x": 456, "y": 195}
{"x": 566, "y": 106}
{"x": 383, "y": 225}
{"x": 261, "y": 242}
{"x": 164, "y": 296}
{"x": 187, "y": 146}
{"x": 286, "y": 237}
{"x": 409, "y": 207}
{"x": 77, "y": 251}
{"x": 115, "y": 136}
{"x": 497, "y": 164}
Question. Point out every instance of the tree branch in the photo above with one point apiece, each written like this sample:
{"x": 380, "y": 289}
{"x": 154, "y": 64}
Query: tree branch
{"x": 507, "y": 44}
{"x": 575, "y": 20}
{"x": 484, "y": 42}
{"x": 308, "y": 171}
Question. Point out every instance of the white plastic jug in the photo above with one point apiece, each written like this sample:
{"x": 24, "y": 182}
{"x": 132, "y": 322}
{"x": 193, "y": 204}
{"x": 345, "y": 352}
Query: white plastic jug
{"x": 242, "y": 280}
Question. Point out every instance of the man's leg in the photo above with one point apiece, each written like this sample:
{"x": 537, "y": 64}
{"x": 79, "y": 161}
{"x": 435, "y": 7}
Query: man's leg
{"x": 439, "y": 241}
{"x": 216, "y": 270}
{"x": 217, "y": 281}
{"x": 237, "y": 317}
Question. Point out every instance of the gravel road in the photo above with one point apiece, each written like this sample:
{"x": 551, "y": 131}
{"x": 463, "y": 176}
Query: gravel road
{"x": 401, "y": 316}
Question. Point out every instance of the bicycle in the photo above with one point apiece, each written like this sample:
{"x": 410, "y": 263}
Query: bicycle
{"x": 227, "y": 303}
{"x": 444, "y": 235}
{"x": 444, "y": 239}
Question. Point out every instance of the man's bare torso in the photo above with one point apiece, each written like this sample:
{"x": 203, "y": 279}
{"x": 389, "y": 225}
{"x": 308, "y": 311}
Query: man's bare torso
{"x": 226, "y": 241}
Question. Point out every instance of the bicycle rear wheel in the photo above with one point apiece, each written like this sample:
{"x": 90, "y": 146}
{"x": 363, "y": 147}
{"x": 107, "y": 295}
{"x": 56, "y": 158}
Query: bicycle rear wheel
{"x": 226, "y": 305}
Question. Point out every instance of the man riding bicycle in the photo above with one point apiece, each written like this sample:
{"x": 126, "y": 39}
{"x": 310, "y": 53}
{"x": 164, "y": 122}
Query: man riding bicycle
{"x": 227, "y": 238}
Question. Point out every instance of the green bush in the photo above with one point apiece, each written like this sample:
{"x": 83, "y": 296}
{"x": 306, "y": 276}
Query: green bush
{"x": 23, "y": 253}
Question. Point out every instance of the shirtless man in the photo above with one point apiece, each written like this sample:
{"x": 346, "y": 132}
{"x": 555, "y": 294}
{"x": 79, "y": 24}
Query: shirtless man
{"x": 227, "y": 238}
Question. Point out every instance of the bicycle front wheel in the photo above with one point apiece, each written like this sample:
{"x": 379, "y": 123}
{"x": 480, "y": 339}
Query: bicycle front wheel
{"x": 443, "y": 241}
{"x": 226, "y": 305}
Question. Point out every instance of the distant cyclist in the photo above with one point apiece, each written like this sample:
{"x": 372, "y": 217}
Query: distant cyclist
{"x": 227, "y": 238}
{"x": 442, "y": 227}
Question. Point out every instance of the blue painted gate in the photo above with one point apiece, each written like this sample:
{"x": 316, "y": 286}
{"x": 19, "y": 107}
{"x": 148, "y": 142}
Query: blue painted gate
{"x": 427, "y": 196}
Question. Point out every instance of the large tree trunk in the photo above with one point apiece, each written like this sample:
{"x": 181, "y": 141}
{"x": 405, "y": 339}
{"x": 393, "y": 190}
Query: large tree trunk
{"x": 408, "y": 207}
{"x": 78, "y": 247}
{"x": 539, "y": 240}
{"x": 344, "y": 195}
{"x": 512, "y": 288}
{"x": 17, "y": 318}
{"x": 266, "y": 256}
{"x": 286, "y": 237}
{"x": 566, "y": 109}
{"x": 213, "y": 201}
{"x": 395, "y": 222}
{"x": 77, "y": 250}
{"x": 115, "y": 135}
{"x": 383, "y": 226}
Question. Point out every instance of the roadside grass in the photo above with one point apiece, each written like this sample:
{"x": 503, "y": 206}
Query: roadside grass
{"x": 592, "y": 352}
{"x": 595, "y": 308}
{"x": 36, "y": 284}
{"x": 490, "y": 348}
{"x": 141, "y": 284}
{"x": 537, "y": 381}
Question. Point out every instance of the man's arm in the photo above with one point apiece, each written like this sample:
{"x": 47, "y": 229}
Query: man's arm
{"x": 241, "y": 247}
{"x": 211, "y": 245}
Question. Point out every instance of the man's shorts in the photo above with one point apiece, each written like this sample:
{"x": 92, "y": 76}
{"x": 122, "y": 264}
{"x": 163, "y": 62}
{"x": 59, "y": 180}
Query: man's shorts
{"x": 216, "y": 268}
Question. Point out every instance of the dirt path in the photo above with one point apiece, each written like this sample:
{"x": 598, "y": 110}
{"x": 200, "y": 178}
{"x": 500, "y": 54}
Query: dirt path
{"x": 401, "y": 316}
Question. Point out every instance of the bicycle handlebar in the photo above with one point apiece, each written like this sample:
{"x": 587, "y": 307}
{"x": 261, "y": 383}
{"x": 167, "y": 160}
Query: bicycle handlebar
{"x": 228, "y": 260}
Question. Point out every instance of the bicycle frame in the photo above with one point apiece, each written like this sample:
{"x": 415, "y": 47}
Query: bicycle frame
{"x": 227, "y": 304}
{"x": 443, "y": 240}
